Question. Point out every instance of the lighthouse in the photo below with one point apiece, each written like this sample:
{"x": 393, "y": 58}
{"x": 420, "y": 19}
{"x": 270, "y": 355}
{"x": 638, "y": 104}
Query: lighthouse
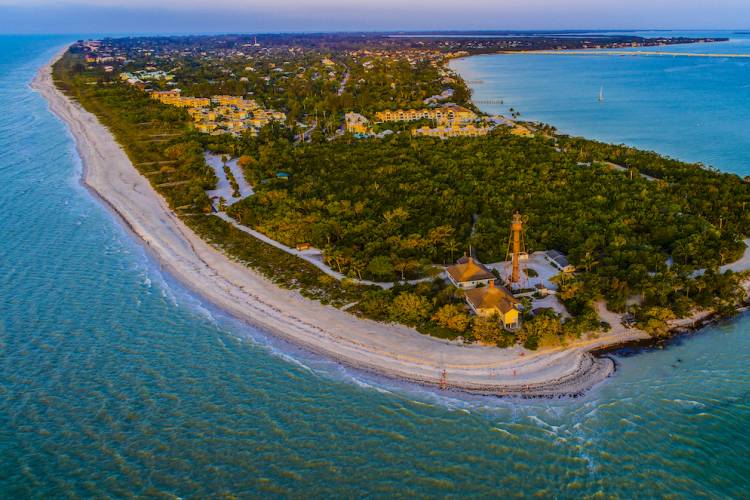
{"x": 516, "y": 249}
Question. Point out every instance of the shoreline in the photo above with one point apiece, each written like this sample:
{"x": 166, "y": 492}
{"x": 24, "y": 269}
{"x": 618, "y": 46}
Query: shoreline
{"x": 388, "y": 350}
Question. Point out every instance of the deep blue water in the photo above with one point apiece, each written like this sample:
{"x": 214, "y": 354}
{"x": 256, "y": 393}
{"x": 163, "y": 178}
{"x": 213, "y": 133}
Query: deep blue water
{"x": 116, "y": 381}
{"x": 694, "y": 109}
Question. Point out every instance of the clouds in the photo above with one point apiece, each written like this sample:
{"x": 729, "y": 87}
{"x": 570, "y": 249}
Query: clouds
{"x": 151, "y": 16}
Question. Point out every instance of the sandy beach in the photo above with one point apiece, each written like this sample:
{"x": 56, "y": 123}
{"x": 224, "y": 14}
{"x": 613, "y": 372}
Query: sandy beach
{"x": 388, "y": 350}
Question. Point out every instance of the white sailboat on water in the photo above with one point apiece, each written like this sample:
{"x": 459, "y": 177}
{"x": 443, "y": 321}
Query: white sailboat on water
{"x": 601, "y": 94}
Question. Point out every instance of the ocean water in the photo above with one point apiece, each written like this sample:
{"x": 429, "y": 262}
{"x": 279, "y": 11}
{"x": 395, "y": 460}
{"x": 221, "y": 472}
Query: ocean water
{"x": 116, "y": 381}
{"x": 693, "y": 109}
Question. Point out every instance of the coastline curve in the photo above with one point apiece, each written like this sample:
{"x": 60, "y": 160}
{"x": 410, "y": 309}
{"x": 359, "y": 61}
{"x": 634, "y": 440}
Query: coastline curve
{"x": 388, "y": 350}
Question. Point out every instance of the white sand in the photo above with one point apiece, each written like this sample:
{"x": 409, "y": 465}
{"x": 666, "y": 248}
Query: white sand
{"x": 389, "y": 350}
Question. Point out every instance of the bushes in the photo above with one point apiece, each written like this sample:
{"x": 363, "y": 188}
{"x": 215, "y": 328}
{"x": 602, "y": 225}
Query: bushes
{"x": 452, "y": 317}
{"x": 543, "y": 330}
{"x": 409, "y": 309}
{"x": 232, "y": 181}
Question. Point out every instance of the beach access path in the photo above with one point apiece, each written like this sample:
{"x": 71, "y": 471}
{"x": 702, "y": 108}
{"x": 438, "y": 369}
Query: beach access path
{"x": 390, "y": 350}
{"x": 312, "y": 255}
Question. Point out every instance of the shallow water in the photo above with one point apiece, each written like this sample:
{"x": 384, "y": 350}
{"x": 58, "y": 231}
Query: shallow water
{"x": 694, "y": 109}
{"x": 114, "y": 380}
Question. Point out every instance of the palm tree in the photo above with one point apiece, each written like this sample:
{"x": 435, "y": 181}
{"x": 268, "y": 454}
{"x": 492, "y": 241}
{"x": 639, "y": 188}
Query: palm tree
{"x": 588, "y": 262}
{"x": 451, "y": 246}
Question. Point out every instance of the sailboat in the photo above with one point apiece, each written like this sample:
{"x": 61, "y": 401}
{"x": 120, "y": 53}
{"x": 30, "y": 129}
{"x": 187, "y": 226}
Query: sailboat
{"x": 601, "y": 94}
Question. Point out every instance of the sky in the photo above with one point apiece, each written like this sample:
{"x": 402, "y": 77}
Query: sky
{"x": 264, "y": 16}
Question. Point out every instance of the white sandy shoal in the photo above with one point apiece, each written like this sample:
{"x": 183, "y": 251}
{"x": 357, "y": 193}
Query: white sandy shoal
{"x": 390, "y": 350}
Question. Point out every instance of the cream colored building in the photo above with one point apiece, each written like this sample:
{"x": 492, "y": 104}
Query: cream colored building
{"x": 446, "y": 113}
{"x": 469, "y": 274}
{"x": 455, "y": 130}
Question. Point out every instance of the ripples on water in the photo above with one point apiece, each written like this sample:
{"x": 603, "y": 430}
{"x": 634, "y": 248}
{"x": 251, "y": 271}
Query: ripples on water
{"x": 115, "y": 381}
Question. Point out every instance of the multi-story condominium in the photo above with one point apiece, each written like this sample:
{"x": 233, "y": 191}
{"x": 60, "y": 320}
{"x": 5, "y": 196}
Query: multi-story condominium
{"x": 454, "y": 130}
{"x": 448, "y": 112}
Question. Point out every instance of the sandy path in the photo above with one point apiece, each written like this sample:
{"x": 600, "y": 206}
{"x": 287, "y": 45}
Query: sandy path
{"x": 743, "y": 264}
{"x": 389, "y": 350}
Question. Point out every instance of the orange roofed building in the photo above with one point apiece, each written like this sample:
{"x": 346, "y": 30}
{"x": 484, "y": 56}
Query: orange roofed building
{"x": 493, "y": 300}
{"x": 469, "y": 274}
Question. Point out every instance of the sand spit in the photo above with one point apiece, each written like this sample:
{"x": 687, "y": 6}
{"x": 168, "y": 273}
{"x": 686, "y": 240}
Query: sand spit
{"x": 388, "y": 350}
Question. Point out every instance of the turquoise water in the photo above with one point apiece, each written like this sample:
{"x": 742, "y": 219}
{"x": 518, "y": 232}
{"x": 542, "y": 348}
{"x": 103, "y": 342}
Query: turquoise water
{"x": 114, "y": 380}
{"x": 694, "y": 109}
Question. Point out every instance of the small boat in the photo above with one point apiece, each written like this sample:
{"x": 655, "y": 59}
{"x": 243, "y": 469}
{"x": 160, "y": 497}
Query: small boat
{"x": 601, "y": 94}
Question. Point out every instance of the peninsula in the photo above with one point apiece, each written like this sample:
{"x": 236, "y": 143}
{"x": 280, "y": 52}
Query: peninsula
{"x": 323, "y": 187}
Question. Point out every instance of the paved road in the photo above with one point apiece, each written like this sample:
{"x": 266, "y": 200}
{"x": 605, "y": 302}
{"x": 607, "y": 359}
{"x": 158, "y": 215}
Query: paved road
{"x": 312, "y": 256}
{"x": 738, "y": 266}
{"x": 344, "y": 81}
{"x": 223, "y": 188}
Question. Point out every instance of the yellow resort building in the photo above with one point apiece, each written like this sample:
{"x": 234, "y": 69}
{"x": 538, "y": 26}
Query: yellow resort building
{"x": 454, "y": 130}
{"x": 221, "y": 113}
{"x": 173, "y": 98}
{"x": 226, "y": 100}
{"x": 493, "y": 300}
{"x": 448, "y": 112}
{"x": 521, "y": 131}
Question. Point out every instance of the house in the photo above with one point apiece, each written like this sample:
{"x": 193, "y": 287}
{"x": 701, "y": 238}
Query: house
{"x": 494, "y": 300}
{"x": 521, "y": 131}
{"x": 559, "y": 260}
{"x": 356, "y": 123}
{"x": 455, "y": 130}
{"x": 454, "y": 112}
{"x": 469, "y": 274}
{"x": 205, "y": 127}
{"x": 447, "y": 112}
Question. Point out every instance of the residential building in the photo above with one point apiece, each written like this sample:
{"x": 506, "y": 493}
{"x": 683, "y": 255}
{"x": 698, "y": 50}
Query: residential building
{"x": 469, "y": 274}
{"x": 521, "y": 131}
{"x": 356, "y": 123}
{"x": 446, "y": 113}
{"x": 454, "y": 130}
{"x": 559, "y": 260}
{"x": 221, "y": 113}
{"x": 493, "y": 300}
{"x": 174, "y": 98}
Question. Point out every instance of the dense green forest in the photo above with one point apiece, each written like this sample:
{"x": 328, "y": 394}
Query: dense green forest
{"x": 418, "y": 199}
